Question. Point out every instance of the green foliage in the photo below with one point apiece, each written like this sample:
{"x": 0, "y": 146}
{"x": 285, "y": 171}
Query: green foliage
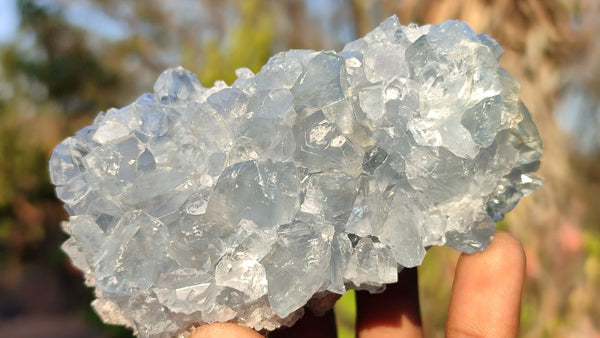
{"x": 502, "y": 225}
{"x": 248, "y": 46}
{"x": 65, "y": 65}
{"x": 591, "y": 244}
{"x": 345, "y": 315}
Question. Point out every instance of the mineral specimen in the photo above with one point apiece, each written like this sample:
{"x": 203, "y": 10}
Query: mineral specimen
{"x": 322, "y": 172}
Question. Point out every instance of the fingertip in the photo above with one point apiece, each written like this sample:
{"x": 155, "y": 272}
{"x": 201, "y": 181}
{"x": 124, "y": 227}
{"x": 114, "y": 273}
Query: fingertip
{"x": 508, "y": 244}
{"x": 505, "y": 254}
{"x": 486, "y": 294}
{"x": 220, "y": 330}
{"x": 310, "y": 325}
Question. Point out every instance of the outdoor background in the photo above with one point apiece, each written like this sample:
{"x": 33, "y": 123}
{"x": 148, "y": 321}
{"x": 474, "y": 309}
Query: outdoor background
{"x": 61, "y": 62}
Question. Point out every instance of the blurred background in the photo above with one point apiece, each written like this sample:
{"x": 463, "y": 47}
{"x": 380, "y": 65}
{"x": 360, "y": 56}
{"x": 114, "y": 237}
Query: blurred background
{"x": 61, "y": 62}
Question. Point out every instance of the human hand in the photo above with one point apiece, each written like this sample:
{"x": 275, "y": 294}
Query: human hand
{"x": 485, "y": 302}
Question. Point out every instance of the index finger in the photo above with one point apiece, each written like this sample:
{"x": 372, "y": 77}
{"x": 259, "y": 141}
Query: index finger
{"x": 486, "y": 293}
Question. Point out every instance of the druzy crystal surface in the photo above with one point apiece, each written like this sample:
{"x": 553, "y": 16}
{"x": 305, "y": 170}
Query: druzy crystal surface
{"x": 322, "y": 172}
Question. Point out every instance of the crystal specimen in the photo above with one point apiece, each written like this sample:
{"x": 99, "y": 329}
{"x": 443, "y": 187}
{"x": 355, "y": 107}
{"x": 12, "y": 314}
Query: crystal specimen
{"x": 324, "y": 171}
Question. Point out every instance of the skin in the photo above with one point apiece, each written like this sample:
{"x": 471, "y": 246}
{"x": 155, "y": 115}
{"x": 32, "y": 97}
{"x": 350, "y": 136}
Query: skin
{"x": 485, "y": 302}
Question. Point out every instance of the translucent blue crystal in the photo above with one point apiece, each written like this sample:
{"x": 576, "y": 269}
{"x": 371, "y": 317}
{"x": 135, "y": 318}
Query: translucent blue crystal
{"x": 324, "y": 171}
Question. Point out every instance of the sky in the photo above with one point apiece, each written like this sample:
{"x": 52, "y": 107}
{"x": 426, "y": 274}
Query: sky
{"x": 8, "y": 20}
{"x": 93, "y": 18}
{"x": 81, "y": 14}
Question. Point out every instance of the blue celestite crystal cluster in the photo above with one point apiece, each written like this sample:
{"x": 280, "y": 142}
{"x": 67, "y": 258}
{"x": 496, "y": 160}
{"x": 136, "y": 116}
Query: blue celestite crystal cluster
{"x": 323, "y": 172}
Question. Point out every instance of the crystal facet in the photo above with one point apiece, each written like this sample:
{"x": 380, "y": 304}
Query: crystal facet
{"x": 324, "y": 171}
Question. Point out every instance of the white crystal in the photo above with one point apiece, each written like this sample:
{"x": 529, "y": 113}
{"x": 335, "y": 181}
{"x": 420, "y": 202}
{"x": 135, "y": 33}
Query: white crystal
{"x": 243, "y": 273}
{"x": 322, "y": 172}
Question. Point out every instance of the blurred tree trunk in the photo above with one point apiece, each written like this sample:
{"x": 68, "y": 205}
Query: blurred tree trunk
{"x": 369, "y": 13}
{"x": 363, "y": 22}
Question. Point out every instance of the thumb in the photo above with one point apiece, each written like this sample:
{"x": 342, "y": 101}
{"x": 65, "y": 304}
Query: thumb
{"x": 224, "y": 330}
